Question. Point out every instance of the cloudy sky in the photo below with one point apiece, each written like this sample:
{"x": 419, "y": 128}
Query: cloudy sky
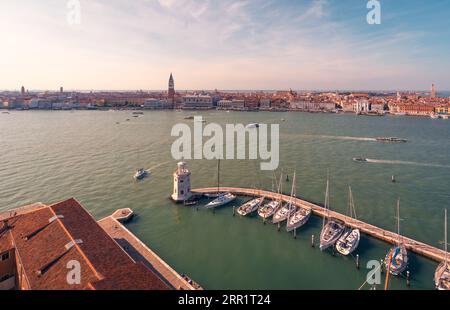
{"x": 224, "y": 44}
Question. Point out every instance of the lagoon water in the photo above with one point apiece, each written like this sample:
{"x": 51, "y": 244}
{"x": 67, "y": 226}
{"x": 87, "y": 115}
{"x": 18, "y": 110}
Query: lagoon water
{"x": 50, "y": 156}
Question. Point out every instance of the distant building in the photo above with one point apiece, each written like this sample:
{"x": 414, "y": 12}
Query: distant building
{"x": 62, "y": 247}
{"x": 171, "y": 91}
{"x": 234, "y": 104}
{"x": 61, "y": 89}
{"x": 197, "y": 102}
{"x": 156, "y": 104}
{"x": 22, "y": 90}
{"x": 433, "y": 91}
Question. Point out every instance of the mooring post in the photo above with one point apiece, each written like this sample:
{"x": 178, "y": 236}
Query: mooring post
{"x": 408, "y": 279}
{"x": 234, "y": 210}
{"x": 295, "y": 233}
{"x": 312, "y": 241}
{"x": 279, "y": 226}
{"x": 381, "y": 266}
{"x": 357, "y": 261}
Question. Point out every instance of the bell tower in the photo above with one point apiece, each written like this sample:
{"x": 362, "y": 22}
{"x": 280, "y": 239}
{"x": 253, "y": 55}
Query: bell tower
{"x": 181, "y": 183}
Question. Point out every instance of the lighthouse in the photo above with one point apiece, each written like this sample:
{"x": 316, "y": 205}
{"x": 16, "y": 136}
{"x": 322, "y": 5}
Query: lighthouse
{"x": 181, "y": 183}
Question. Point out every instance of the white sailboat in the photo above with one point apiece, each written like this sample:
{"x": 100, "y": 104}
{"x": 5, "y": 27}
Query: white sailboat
{"x": 250, "y": 207}
{"x": 300, "y": 216}
{"x": 396, "y": 260}
{"x": 349, "y": 240}
{"x": 268, "y": 210}
{"x": 285, "y": 211}
{"x": 222, "y": 198}
{"x": 332, "y": 228}
{"x": 442, "y": 275}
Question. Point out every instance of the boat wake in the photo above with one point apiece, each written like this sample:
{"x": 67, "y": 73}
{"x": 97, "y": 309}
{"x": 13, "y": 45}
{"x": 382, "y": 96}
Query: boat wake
{"x": 400, "y": 162}
{"x": 349, "y": 138}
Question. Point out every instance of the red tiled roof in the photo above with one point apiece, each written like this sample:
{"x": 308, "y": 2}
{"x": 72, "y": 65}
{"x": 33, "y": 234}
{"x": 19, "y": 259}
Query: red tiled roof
{"x": 41, "y": 247}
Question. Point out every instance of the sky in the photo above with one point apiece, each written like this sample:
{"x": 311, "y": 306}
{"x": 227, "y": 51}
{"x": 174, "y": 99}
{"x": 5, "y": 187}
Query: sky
{"x": 224, "y": 44}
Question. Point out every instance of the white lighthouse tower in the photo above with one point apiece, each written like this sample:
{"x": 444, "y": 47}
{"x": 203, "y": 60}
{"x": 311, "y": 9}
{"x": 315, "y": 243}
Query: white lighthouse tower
{"x": 181, "y": 183}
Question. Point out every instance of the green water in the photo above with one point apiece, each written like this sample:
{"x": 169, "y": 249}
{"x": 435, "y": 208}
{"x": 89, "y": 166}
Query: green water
{"x": 51, "y": 156}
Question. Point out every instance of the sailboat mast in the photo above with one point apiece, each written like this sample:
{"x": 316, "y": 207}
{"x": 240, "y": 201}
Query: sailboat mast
{"x": 398, "y": 221}
{"x": 326, "y": 202}
{"x": 218, "y": 177}
{"x": 445, "y": 239}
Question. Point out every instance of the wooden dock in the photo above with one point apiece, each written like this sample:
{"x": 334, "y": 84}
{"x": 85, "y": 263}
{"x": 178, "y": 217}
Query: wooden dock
{"x": 139, "y": 252}
{"x": 420, "y": 248}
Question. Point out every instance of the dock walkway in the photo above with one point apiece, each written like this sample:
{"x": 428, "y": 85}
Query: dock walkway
{"x": 139, "y": 252}
{"x": 374, "y": 231}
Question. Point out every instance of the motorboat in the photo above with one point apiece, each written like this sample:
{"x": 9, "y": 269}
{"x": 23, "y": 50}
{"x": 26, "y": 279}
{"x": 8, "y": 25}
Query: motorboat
{"x": 391, "y": 139}
{"x": 298, "y": 219}
{"x": 252, "y": 126}
{"x": 348, "y": 242}
{"x": 250, "y": 207}
{"x": 221, "y": 201}
{"x": 332, "y": 229}
{"x": 360, "y": 160}
{"x": 396, "y": 260}
{"x": 442, "y": 274}
{"x": 140, "y": 174}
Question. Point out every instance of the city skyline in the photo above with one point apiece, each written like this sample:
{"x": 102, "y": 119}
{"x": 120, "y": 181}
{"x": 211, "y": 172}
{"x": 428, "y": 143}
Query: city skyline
{"x": 228, "y": 45}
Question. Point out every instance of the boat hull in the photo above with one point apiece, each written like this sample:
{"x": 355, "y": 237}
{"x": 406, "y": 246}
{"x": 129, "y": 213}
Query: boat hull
{"x": 277, "y": 218}
{"x": 304, "y": 218}
{"x": 442, "y": 277}
{"x": 250, "y": 207}
{"x": 399, "y": 262}
{"x": 331, "y": 233}
{"x": 271, "y": 208}
{"x": 221, "y": 201}
{"x": 348, "y": 242}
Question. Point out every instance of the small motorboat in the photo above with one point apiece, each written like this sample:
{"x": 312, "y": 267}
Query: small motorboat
{"x": 255, "y": 125}
{"x": 391, "y": 140}
{"x": 140, "y": 174}
{"x": 268, "y": 210}
{"x": 348, "y": 242}
{"x": 221, "y": 201}
{"x": 250, "y": 207}
{"x": 189, "y": 117}
{"x": 360, "y": 160}
{"x": 298, "y": 219}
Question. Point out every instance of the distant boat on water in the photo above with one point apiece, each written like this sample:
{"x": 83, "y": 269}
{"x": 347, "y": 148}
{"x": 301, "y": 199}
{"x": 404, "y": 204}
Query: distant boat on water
{"x": 391, "y": 139}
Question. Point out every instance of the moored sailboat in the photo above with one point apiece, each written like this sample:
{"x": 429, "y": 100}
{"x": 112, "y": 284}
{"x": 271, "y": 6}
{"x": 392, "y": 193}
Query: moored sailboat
{"x": 222, "y": 198}
{"x": 396, "y": 260}
{"x": 332, "y": 228}
{"x": 442, "y": 274}
{"x": 250, "y": 207}
{"x": 268, "y": 210}
{"x": 349, "y": 240}
{"x": 300, "y": 216}
{"x": 285, "y": 211}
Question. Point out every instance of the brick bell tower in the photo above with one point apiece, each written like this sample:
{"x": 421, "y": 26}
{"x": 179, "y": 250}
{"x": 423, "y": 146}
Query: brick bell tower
{"x": 171, "y": 92}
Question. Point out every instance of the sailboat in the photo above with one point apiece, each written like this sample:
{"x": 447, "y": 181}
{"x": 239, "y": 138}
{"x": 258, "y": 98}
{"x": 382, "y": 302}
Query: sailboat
{"x": 268, "y": 210}
{"x": 349, "y": 240}
{"x": 332, "y": 228}
{"x": 442, "y": 275}
{"x": 396, "y": 260}
{"x": 250, "y": 207}
{"x": 300, "y": 216}
{"x": 285, "y": 211}
{"x": 222, "y": 198}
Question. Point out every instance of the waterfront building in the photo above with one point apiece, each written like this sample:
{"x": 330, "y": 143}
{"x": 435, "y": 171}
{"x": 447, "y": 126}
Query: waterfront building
{"x": 442, "y": 109}
{"x": 235, "y": 104}
{"x": 415, "y": 109}
{"x": 197, "y": 102}
{"x": 156, "y": 104}
{"x": 22, "y": 90}
{"x": 361, "y": 105}
{"x": 181, "y": 183}
{"x": 265, "y": 104}
{"x": 62, "y": 247}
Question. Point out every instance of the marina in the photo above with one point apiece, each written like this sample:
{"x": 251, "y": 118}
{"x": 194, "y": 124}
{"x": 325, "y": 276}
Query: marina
{"x": 420, "y": 248}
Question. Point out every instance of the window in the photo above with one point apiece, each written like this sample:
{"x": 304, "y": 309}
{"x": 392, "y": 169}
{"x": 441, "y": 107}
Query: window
{"x": 5, "y": 256}
{"x": 182, "y": 192}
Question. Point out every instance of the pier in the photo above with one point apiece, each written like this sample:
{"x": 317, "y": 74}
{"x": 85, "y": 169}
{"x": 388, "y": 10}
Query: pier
{"x": 417, "y": 247}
